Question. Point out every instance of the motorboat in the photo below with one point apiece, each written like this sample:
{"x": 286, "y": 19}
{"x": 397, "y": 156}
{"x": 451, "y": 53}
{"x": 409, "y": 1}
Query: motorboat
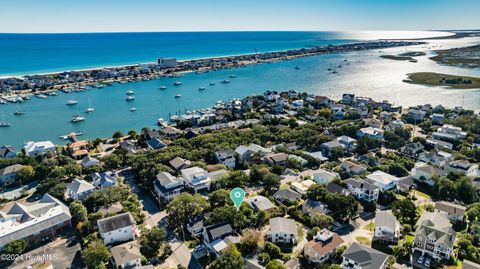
{"x": 130, "y": 98}
{"x": 162, "y": 87}
{"x": 177, "y": 83}
{"x": 178, "y": 95}
{"x": 72, "y": 102}
{"x": 77, "y": 118}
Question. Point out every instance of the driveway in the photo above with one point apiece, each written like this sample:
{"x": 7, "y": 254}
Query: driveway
{"x": 13, "y": 193}
{"x": 149, "y": 204}
{"x": 61, "y": 253}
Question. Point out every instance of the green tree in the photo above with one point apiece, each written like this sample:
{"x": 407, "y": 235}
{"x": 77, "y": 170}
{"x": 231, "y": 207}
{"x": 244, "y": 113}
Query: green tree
{"x": 184, "y": 207}
{"x": 96, "y": 255}
{"x": 405, "y": 211}
{"x": 235, "y": 179}
{"x": 322, "y": 221}
{"x": 15, "y": 247}
{"x": 271, "y": 182}
{"x": 275, "y": 264}
{"x": 232, "y": 259}
{"x": 78, "y": 211}
{"x": 219, "y": 198}
{"x": 151, "y": 241}
{"x": 26, "y": 174}
{"x": 273, "y": 250}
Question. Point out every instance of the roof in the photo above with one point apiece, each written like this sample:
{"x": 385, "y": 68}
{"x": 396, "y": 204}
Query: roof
{"x": 332, "y": 144}
{"x": 367, "y": 258}
{"x": 360, "y": 183}
{"x": 116, "y": 222}
{"x": 386, "y": 219}
{"x": 126, "y": 252}
{"x": 334, "y": 187}
{"x": 283, "y": 225}
{"x": 4, "y": 150}
{"x": 252, "y": 147}
{"x": 292, "y": 263}
{"x": 451, "y": 208}
{"x": 428, "y": 169}
{"x": 261, "y": 203}
{"x": 382, "y": 177}
{"x": 178, "y": 162}
{"x": 278, "y": 157}
{"x": 323, "y": 247}
{"x": 287, "y": 194}
{"x": 111, "y": 208}
{"x": 225, "y": 154}
{"x": 23, "y": 220}
{"x": 10, "y": 169}
{"x": 313, "y": 206}
{"x": 437, "y": 226}
{"x": 79, "y": 186}
{"x": 78, "y": 144}
{"x": 470, "y": 265}
{"x": 218, "y": 230}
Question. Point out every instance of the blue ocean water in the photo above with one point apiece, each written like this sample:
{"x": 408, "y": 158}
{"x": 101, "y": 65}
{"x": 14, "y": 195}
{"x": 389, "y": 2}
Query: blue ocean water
{"x": 365, "y": 74}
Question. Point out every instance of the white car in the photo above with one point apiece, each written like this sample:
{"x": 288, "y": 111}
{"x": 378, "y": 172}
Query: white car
{"x": 420, "y": 260}
{"x": 427, "y": 262}
{"x": 198, "y": 248}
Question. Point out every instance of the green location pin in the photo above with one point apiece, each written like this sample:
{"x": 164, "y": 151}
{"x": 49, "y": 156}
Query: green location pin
{"x": 237, "y": 195}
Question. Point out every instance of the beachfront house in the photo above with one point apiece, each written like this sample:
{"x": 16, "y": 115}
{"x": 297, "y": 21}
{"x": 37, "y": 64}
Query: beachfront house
{"x": 33, "y": 149}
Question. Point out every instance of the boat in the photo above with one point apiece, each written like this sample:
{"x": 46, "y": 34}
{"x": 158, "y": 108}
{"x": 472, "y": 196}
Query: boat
{"x": 89, "y": 108}
{"x": 77, "y": 118}
{"x": 232, "y": 76}
{"x": 42, "y": 96}
{"x": 162, "y": 122}
{"x": 130, "y": 92}
{"x": 19, "y": 111}
{"x": 297, "y": 67}
{"x": 130, "y": 98}
{"x": 177, "y": 83}
{"x": 162, "y": 87}
{"x": 72, "y": 102}
{"x": 212, "y": 83}
{"x": 133, "y": 109}
{"x": 178, "y": 95}
{"x": 2, "y": 102}
{"x": 201, "y": 88}
{"x": 4, "y": 123}
{"x": 225, "y": 81}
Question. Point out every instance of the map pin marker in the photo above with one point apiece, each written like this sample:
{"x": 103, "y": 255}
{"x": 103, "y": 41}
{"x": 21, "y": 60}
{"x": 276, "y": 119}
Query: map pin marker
{"x": 237, "y": 195}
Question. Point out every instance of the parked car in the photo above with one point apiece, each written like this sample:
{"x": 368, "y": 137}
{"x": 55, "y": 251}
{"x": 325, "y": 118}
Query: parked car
{"x": 199, "y": 248}
{"x": 427, "y": 262}
{"x": 420, "y": 259}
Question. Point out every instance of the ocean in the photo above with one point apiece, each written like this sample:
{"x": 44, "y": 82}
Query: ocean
{"x": 367, "y": 74}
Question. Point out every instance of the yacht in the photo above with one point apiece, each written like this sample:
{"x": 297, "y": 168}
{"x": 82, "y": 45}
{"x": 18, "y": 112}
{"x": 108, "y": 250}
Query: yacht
{"x": 4, "y": 123}
{"x": 225, "y": 81}
{"x": 177, "y": 83}
{"x": 90, "y": 108}
{"x": 201, "y": 88}
{"x": 42, "y": 96}
{"x": 130, "y": 98}
{"x": 130, "y": 92}
{"x": 232, "y": 76}
{"x": 178, "y": 95}
{"x": 162, "y": 87}
{"x": 72, "y": 102}
{"x": 133, "y": 109}
{"x": 77, "y": 118}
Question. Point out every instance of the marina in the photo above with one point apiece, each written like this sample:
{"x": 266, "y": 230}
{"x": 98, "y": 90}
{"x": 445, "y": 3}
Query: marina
{"x": 46, "y": 117}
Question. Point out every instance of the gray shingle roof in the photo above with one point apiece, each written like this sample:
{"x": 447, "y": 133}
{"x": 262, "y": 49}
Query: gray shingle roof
{"x": 367, "y": 258}
{"x": 116, "y": 222}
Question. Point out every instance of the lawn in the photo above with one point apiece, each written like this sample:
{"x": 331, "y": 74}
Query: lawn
{"x": 370, "y": 227}
{"x": 363, "y": 240}
{"x": 422, "y": 194}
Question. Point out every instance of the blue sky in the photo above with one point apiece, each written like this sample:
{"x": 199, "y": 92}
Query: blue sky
{"x": 220, "y": 15}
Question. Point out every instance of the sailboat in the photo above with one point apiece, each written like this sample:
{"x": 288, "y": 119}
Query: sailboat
{"x": 19, "y": 112}
{"x": 4, "y": 123}
{"x": 90, "y": 108}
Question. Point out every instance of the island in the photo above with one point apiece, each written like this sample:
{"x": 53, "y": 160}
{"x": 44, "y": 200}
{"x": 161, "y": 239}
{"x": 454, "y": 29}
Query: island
{"x": 407, "y": 56}
{"x": 463, "y": 57}
{"x": 436, "y": 79}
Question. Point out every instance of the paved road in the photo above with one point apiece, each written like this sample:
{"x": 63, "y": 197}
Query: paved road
{"x": 149, "y": 204}
{"x": 16, "y": 192}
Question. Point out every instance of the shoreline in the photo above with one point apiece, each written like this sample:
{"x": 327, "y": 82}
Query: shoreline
{"x": 42, "y": 83}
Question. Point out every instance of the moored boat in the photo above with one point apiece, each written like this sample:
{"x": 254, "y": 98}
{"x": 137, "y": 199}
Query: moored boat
{"x": 178, "y": 95}
{"x": 72, "y": 102}
{"x": 177, "y": 83}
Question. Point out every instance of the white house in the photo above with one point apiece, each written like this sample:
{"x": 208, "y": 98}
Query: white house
{"x": 104, "y": 179}
{"x": 9, "y": 173}
{"x": 33, "y": 149}
{"x": 226, "y": 157}
{"x": 126, "y": 255}
{"x": 362, "y": 257}
{"x": 89, "y": 161}
{"x": 302, "y": 187}
{"x": 79, "y": 189}
{"x": 353, "y": 168}
{"x": 363, "y": 190}
{"x": 282, "y": 230}
{"x": 464, "y": 167}
{"x": 436, "y": 157}
{"x": 454, "y": 212}
{"x": 196, "y": 178}
{"x": 370, "y": 132}
{"x": 424, "y": 172}
{"x": 321, "y": 176}
{"x": 244, "y": 153}
{"x": 449, "y": 132}
{"x": 167, "y": 186}
{"x": 434, "y": 236}
{"x": 119, "y": 228}
{"x": 322, "y": 247}
{"x": 383, "y": 180}
{"x": 349, "y": 144}
{"x": 387, "y": 227}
